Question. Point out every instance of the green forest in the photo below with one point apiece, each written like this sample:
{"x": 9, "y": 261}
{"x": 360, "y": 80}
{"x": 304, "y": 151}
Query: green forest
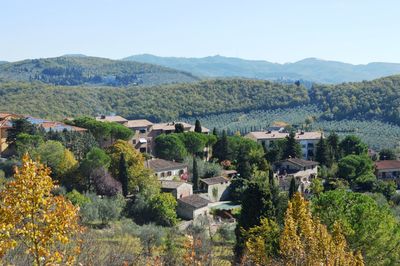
{"x": 70, "y": 70}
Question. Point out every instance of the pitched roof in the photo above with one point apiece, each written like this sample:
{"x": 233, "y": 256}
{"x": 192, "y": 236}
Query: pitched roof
{"x": 388, "y": 164}
{"x": 59, "y": 127}
{"x": 300, "y": 162}
{"x": 170, "y": 126}
{"x": 260, "y": 135}
{"x": 195, "y": 201}
{"x": 138, "y": 123}
{"x": 203, "y": 129}
{"x": 111, "y": 118}
{"x": 163, "y": 165}
{"x": 170, "y": 184}
{"x": 214, "y": 180}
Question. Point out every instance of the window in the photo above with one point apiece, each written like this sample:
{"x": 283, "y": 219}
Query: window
{"x": 181, "y": 172}
{"x": 142, "y": 150}
{"x": 142, "y": 131}
{"x": 162, "y": 174}
{"x": 134, "y": 141}
{"x": 169, "y": 173}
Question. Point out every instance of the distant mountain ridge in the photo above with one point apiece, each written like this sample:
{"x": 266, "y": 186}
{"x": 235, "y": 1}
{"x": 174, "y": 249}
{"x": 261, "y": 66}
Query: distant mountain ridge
{"x": 311, "y": 69}
{"x": 79, "y": 69}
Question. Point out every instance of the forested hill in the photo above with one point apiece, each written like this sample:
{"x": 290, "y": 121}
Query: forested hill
{"x": 310, "y": 69}
{"x": 78, "y": 70}
{"x": 377, "y": 99}
{"x": 164, "y": 102}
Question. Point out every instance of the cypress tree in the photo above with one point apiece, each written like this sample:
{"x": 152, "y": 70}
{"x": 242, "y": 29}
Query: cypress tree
{"x": 197, "y": 126}
{"x": 322, "y": 153}
{"x": 195, "y": 176}
{"x": 292, "y": 188}
{"x": 292, "y": 148}
{"x": 221, "y": 148}
{"x": 215, "y": 132}
{"x": 123, "y": 174}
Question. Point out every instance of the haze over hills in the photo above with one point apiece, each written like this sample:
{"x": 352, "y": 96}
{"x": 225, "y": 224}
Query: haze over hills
{"x": 311, "y": 69}
{"x": 80, "y": 69}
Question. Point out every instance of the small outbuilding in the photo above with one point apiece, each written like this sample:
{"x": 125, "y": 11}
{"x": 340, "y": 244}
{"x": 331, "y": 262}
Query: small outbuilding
{"x": 192, "y": 206}
{"x": 216, "y": 188}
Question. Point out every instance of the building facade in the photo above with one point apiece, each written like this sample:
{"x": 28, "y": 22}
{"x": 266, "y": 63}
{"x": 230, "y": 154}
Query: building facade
{"x": 307, "y": 140}
{"x": 216, "y": 188}
{"x": 168, "y": 170}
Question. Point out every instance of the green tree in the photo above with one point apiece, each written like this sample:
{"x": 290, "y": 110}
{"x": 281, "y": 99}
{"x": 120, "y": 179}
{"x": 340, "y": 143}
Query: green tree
{"x": 20, "y": 125}
{"x": 387, "y": 154}
{"x": 197, "y": 126}
{"x": 163, "y": 208}
{"x": 333, "y": 146}
{"x": 291, "y": 147}
{"x": 256, "y": 204}
{"x": 293, "y": 187}
{"x": 179, "y": 128}
{"x": 195, "y": 175}
{"x": 368, "y": 226}
{"x": 170, "y": 147}
{"x": 123, "y": 174}
{"x": 322, "y": 153}
{"x": 358, "y": 170}
{"x": 26, "y": 143}
{"x": 353, "y": 145}
{"x": 194, "y": 142}
{"x": 221, "y": 149}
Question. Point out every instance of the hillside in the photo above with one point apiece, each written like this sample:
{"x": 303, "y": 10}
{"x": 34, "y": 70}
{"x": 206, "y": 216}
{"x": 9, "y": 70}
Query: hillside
{"x": 377, "y": 99}
{"x": 310, "y": 69}
{"x": 78, "y": 70}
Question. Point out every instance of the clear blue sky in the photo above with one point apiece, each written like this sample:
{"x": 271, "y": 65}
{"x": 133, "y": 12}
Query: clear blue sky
{"x": 354, "y": 31}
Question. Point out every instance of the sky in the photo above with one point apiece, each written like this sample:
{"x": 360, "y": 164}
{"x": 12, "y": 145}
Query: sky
{"x": 352, "y": 31}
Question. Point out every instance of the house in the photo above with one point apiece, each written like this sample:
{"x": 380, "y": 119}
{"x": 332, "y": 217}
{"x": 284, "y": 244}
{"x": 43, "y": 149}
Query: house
{"x": 5, "y": 125}
{"x": 179, "y": 189}
{"x": 216, "y": 188}
{"x": 192, "y": 206}
{"x": 307, "y": 140}
{"x": 389, "y": 170}
{"x": 141, "y": 129}
{"x": 302, "y": 170}
{"x": 112, "y": 118}
{"x": 168, "y": 170}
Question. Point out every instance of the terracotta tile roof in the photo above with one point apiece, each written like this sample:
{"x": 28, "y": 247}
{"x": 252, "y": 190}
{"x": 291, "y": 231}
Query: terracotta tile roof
{"x": 388, "y": 164}
{"x": 59, "y": 127}
{"x": 163, "y": 165}
{"x": 112, "y": 118}
{"x": 271, "y": 135}
{"x": 168, "y": 184}
{"x": 138, "y": 123}
{"x": 195, "y": 201}
{"x": 214, "y": 180}
{"x": 9, "y": 116}
{"x": 203, "y": 129}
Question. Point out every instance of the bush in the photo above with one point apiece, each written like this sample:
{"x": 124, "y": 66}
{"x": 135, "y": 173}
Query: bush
{"x": 104, "y": 209}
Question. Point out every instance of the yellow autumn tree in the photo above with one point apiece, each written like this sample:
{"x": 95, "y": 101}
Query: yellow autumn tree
{"x": 31, "y": 216}
{"x": 305, "y": 241}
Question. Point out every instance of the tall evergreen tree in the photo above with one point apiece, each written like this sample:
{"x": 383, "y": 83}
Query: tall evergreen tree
{"x": 197, "y": 126}
{"x": 322, "y": 154}
{"x": 291, "y": 148}
{"x": 221, "y": 149}
{"x": 333, "y": 146}
{"x": 256, "y": 204}
{"x": 292, "y": 188}
{"x": 243, "y": 166}
{"x": 195, "y": 175}
{"x": 215, "y": 131}
{"x": 123, "y": 174}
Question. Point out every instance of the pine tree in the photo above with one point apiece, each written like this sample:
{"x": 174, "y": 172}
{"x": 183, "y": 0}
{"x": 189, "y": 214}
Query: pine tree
{"x": 197, "y": 126}
{"x": 179, "y": 128}
{"x": 322, "y": 153}
{"x": 123, "y": 174}
{"x": 291, "y": 148}
{"x": 292, "y": 188}
{"x": 195, "y": 175}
